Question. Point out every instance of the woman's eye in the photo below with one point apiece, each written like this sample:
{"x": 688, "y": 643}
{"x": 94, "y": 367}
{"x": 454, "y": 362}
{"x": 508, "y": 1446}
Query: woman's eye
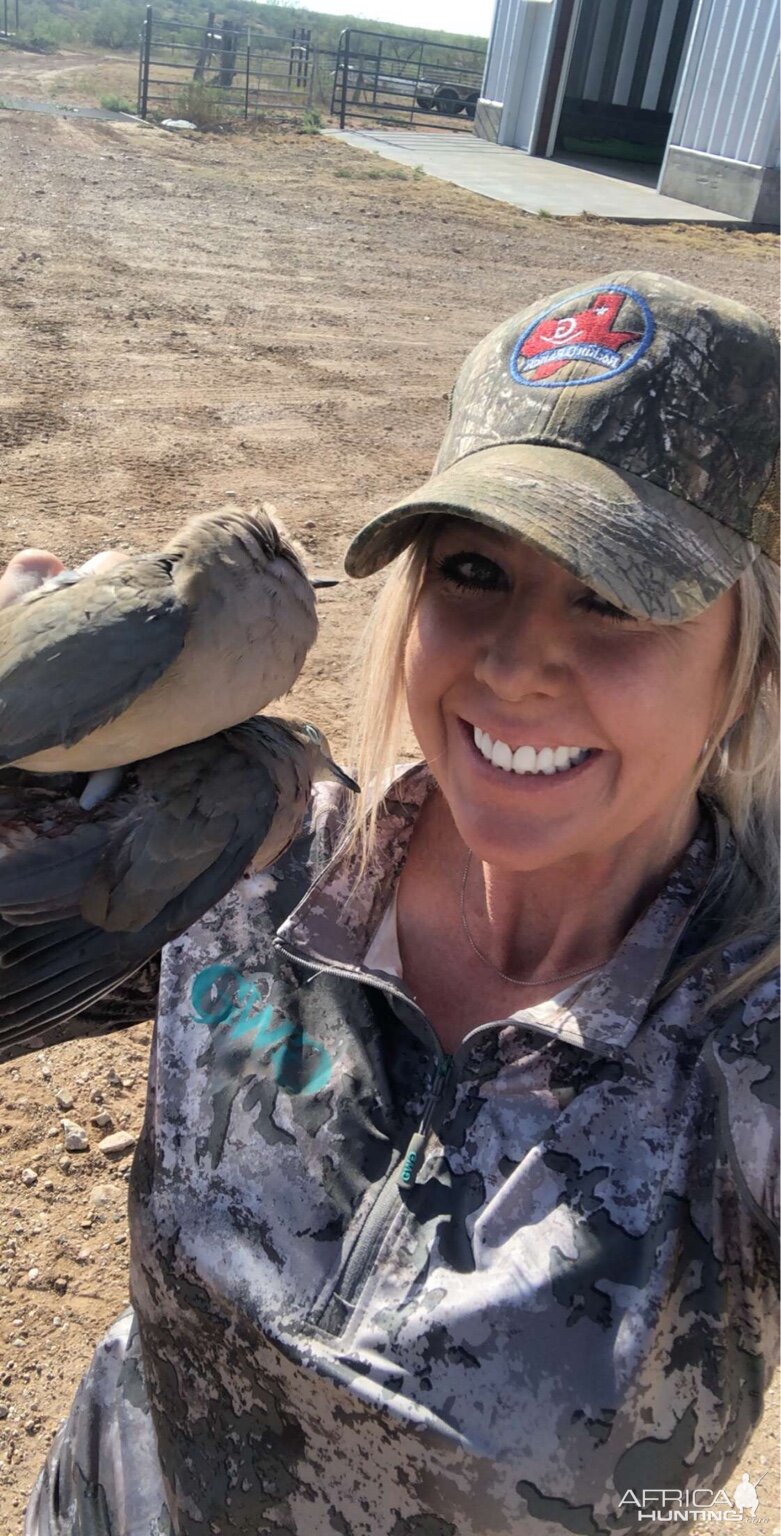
{"x": 471, "y": 570}
{"x": 599, "y": 605}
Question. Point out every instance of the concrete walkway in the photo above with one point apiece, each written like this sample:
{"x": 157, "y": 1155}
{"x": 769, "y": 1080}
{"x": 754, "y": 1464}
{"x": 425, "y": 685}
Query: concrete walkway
{"x": 61, "y": 109}
{"x": 606, "y": 189}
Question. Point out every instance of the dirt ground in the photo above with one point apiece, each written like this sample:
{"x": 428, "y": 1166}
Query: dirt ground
{"x": 78, "y": 77}
{"x": 185, "y": 320}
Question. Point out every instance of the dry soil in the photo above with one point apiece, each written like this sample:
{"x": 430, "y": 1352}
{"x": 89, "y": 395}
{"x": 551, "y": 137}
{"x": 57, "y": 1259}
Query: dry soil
{"x": 185, "y": 320}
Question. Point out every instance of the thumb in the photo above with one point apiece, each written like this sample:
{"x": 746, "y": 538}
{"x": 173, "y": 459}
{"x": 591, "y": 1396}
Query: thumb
{"x": 26, "y": 571}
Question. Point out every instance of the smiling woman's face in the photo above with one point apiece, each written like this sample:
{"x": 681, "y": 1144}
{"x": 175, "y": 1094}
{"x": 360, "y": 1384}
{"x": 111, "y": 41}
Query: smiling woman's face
{"x": 507, "y": 645}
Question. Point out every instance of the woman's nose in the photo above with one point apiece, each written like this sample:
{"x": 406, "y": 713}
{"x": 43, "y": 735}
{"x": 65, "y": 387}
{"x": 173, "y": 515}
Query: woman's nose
{"x": 523, "y": 654}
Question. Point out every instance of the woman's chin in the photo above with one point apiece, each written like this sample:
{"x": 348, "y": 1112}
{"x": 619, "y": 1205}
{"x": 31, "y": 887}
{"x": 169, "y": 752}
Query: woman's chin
{"x": 523, "y": 845}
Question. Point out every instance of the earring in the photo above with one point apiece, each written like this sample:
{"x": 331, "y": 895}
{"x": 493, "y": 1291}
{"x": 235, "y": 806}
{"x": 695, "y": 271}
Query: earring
{"x": 705, "y": 749}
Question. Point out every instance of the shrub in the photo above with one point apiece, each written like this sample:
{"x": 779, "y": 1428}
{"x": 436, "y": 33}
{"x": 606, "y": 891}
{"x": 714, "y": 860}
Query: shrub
{"x": 116, "y": 104}
{"x": 311, "y": 121}
{"x": 43, "y": 29}
{"x": 115, "y": 25}
{"x": 201, "y": 104}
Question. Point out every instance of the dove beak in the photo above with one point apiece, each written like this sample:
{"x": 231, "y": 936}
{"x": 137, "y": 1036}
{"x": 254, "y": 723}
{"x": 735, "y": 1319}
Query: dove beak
{"x": 344, "y": 778}
{"x": 325, "y": 581}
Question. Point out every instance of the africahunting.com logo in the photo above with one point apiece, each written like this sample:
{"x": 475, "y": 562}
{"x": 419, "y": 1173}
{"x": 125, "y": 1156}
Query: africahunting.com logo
{"x": 712, "y": 1506}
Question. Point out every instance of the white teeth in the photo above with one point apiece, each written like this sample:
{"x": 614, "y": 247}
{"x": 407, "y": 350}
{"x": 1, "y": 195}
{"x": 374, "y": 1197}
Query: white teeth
{"x": 524, "y": 760}
{"x": 501, "y": 755}
{"x": 547, "y": 760}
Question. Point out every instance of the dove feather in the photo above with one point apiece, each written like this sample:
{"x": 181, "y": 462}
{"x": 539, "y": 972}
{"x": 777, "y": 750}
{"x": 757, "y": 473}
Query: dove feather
{"x": 50, "y": 970}
{"x": 132, "y": 619}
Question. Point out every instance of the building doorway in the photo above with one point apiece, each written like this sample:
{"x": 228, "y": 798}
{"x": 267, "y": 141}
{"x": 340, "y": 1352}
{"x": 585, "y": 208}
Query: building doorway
{"x": 624, "y": 65}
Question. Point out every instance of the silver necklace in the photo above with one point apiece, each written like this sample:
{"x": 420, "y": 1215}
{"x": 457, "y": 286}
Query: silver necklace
{"x": 539, "y": 981}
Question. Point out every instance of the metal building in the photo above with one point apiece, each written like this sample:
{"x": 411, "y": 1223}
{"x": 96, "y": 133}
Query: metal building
{"x": 688, "y": 86}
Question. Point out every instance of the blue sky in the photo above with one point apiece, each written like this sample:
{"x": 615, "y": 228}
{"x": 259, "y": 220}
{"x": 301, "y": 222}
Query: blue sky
{"x": 471, "y": 16}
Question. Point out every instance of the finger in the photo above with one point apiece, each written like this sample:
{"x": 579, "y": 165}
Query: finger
{"x": 102, "y": 561}
{"x": 26, "y": 571}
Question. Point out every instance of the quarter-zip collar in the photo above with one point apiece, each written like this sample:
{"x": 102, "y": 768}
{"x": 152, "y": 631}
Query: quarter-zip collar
{"x": 334, "y": 923}
{"x": 336, "y": 919}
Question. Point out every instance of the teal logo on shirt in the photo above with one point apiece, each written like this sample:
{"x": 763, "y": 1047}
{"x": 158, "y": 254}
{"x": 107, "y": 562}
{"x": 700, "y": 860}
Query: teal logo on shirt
{"x": 222, "y": 997}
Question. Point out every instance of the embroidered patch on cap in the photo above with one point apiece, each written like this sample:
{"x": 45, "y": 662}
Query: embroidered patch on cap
{"x": 595, "y": 335}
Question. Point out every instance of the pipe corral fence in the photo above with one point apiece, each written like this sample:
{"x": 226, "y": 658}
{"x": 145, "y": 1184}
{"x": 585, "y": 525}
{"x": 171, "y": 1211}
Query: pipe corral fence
{"x": 381, "y": 79}
{"x": 222, "y": 69}
{"x": 9, "y": 18}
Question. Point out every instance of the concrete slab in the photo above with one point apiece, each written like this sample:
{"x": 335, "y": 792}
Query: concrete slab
{"x": 60, "y": 109}
{"x": 563, "y": 188}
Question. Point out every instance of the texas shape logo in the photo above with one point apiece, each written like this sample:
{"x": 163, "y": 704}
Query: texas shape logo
{"x": 603, "y": 336}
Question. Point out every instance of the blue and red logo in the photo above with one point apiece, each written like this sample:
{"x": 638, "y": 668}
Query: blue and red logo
{"x": 603, "y": 330}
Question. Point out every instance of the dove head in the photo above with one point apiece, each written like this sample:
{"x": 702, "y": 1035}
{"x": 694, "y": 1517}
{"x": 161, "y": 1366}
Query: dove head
{"x": 315, "y": 744}
{"x": 247, "y": 536}
{"x": 242, "y": 561}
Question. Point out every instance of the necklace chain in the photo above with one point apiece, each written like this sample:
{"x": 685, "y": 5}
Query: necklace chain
{"x": 517, "y": 981}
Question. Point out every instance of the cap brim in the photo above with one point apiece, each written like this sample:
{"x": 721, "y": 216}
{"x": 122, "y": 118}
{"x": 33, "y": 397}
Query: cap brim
{"x": 651, "y": 553}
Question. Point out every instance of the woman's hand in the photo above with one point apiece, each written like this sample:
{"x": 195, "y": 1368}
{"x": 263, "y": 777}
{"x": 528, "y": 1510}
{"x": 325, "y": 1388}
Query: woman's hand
{"x": 26, "y": 571}
{"x": 32, "y": 567}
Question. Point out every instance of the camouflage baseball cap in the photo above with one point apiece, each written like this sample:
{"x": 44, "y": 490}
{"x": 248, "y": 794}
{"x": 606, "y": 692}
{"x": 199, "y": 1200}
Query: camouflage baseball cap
{"x": 628, "y": 428}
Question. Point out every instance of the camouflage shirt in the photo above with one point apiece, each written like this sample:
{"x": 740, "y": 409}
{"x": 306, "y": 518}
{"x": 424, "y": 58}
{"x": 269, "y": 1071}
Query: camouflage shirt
{"x": 382, "y": 1291}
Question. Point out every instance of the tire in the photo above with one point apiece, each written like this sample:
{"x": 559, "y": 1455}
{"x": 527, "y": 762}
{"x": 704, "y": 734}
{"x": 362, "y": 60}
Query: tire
{"x": 447, "y": 101}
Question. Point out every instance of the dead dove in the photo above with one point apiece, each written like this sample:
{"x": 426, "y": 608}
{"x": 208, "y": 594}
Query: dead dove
{"x": 86, "y": 898}
{"x": 131, "y": 656}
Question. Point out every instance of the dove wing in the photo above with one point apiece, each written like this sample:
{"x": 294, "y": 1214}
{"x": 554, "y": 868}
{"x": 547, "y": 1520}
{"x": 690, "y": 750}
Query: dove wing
{"x": 193, "y": 805}
{"x": 74, "y": 657}
{"x": 157, "y": 874}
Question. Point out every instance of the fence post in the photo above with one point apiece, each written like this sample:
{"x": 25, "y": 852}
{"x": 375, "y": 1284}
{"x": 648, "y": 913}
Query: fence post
{"x": 345, "y": 78}
{"x": 335, "y": 84}
{"x": 246, "y": 86}
{"x": 416, "y": 89}
{"x": 230, "y": 44}
{"x": 294, "y": 60}
{"x": 204, "y": 56}
{"x": 146, "y": 48}
{"x": 377, "y": 73}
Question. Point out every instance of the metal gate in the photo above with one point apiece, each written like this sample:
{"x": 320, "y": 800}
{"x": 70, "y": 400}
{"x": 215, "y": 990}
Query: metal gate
{"x": 220, "y": 70}
{"x": 381, "y": 80}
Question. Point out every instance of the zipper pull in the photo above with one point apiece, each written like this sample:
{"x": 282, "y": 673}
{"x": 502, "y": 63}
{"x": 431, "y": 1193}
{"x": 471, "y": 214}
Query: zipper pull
{"x": 413, "y": 1157}
{"x": 416, "y": 1150}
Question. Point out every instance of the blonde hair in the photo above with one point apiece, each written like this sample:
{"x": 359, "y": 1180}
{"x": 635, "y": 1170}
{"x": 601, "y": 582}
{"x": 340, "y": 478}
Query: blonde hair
{"x": 739, "y": 773}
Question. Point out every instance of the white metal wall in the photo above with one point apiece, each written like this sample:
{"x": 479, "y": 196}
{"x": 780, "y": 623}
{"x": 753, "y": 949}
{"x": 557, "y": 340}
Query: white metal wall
{"x": 729, "y": 95}
{"x": 500, "y": 49}
{"x": 516, "y": 66}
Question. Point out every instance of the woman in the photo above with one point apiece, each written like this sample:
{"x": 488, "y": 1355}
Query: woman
{"x": 453, "y": 1207}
